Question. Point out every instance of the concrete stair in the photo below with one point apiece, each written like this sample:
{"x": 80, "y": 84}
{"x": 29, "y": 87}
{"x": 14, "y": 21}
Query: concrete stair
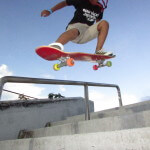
{"x": 125, "y": 128}
{"x": 118, "y": 111}
{"x": 132, "y": 139}
{"x": 137, "y": 120}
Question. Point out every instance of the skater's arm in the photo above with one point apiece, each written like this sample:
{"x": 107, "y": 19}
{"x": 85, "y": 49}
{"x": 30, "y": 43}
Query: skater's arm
{"x": 60, "y": 5}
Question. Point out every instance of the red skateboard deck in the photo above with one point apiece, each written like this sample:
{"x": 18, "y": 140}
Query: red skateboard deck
{"x": 49, "y": 53}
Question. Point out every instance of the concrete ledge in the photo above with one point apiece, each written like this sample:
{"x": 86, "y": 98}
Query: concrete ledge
{"x": 27, "y": 103}
{"x": 29, "y": 115}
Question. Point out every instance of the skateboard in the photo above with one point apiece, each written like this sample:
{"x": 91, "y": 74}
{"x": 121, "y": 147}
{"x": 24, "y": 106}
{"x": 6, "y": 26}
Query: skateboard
{"x": 69, "y": 58}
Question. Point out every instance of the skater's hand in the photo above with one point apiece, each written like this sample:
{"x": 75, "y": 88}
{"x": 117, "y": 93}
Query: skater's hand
{"x": 45, "y": 13}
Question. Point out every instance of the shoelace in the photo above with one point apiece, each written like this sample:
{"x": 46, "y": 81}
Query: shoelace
{"x": 104, "y": 53}
{"x": 100, "y": 52}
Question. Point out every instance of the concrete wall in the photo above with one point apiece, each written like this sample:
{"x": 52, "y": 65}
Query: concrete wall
{"x": 19, "y": 115}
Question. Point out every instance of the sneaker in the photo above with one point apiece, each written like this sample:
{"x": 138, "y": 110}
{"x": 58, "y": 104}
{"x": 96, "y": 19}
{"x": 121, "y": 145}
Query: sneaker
{"x": 101, "y": 52}
{"x": 57, "y": 46}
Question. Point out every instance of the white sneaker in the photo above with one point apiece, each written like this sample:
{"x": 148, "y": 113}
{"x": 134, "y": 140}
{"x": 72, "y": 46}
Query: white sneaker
{"x": 101, "y": 52}
{"x": 57, "y": 46}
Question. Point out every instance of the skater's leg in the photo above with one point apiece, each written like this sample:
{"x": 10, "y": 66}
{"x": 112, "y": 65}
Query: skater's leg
{"x": 102, "y": 28}
{"x": 68, "y": 36}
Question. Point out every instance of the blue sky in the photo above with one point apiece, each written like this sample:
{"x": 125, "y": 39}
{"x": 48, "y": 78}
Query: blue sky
{"x": 22, "y": 30}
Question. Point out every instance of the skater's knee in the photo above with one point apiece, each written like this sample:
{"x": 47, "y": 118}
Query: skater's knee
{"x": 103, "y": 23}
{"x": 73, "y": 33}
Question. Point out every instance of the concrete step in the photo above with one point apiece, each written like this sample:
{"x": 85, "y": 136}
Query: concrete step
{"x": 131, "y": 139}
{"x": 132, "y": 108}
{"x": 118, "y": 111}
{"x": 136, "y": 120}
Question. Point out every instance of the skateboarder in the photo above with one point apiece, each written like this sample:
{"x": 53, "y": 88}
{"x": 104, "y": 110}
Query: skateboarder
{"x": 87, "y": 24}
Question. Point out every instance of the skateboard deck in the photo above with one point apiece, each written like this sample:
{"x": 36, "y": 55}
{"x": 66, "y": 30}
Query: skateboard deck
{"x": 69, "y": 58}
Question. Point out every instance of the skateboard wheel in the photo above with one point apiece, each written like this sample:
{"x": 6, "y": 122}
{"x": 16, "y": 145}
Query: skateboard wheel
{"x": 108, "y": 63}
{"x": 70, "y": 62}
{"x": 95, "y": 67}
{"x": 56, "y": 67}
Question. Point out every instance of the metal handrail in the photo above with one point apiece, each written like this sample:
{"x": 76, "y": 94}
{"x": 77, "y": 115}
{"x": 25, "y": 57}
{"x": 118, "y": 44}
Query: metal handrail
{"x": 16, "y": 79}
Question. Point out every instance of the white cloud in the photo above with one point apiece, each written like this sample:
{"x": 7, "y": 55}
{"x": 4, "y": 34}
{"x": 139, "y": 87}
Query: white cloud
{"x": 103, "y": 101}
{"x": 27, "y": 89}
{"x": 129, "y": 99}
{"x": 4, "y": 71}
{"x": 62, "y": 88}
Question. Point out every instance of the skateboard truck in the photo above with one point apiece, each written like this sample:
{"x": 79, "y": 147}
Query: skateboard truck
{"x": 65, "y": 61}
{"x": 102, "y": 64}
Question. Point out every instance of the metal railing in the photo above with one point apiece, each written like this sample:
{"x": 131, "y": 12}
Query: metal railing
{"x": 15, "y": 79}
{"x": 21, "y": 96}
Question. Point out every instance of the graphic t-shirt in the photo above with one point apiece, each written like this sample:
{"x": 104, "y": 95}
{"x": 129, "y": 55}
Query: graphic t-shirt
{"x": 85, "y": 12}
